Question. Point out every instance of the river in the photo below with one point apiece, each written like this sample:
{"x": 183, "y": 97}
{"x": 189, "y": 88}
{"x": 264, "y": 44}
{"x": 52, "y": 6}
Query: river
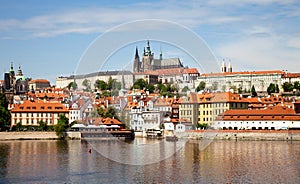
{"x": 119, "y": 162}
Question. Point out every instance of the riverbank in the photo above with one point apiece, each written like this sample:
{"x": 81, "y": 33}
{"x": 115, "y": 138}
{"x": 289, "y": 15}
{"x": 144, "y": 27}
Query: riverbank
{"x": 249, "y": 135}
{"x": 253, "y": 135}
{"x": 27, "y": 136}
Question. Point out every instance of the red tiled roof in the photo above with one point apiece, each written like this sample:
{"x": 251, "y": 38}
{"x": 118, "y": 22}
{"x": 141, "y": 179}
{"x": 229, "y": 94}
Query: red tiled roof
{"x": 38, "y": 81}
{"x": 291, "y": 75}
{"x": 39, "y": 106}
{"x": 270, "y": 113}
{"x": 243, "y": 73}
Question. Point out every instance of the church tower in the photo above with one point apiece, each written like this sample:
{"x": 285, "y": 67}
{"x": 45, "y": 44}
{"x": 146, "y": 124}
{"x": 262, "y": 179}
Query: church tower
{"x": 229, "y": 67}
{"x": 136, "y": 63}
{"x": 223, "y": 67}
{"x": 147, "y": 58}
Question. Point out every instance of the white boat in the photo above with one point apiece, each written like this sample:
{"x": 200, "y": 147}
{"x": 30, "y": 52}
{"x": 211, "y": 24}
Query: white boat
{"x": 154, "y": 133}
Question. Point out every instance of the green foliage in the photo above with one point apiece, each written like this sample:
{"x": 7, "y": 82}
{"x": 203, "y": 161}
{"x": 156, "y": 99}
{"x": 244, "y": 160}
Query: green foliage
{"x": 110, "y": 83}
{"x": 287, "y": 87}
{"x": 253, "y": 91}
{"x": 202, "y": 125}
{"x": 43, "y": 126}
{"x": 72, "y": 85}
{"x": 87, "y": 84}
{"x": 297, "y": 85}
{"x": 140, "y": 84}
{"x": 100, "y": 84}
{"x": 150, "y": 88}
{"x": 110, "y": 112}
{"x": 271, "y": 88}
{"x": 4, "y": 112}
{"x": 201, "y": 86}
{"x": 185, "y": 89}
{"x": 61, "y": 126}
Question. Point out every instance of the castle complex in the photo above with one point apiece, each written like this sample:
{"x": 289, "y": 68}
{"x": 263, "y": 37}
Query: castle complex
{"x": 149, "y": 63}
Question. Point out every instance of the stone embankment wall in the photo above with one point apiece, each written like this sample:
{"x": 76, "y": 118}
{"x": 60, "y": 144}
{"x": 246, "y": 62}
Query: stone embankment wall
{"x": 27, "y": 135}
{"x": 241, "y": 135}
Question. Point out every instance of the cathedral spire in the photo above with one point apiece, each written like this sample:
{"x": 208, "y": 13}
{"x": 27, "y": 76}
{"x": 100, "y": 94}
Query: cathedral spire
{"x": 136, "y": 53}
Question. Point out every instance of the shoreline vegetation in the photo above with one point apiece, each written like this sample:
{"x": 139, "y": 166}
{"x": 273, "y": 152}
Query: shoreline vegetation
{"x": 252, "y": 135}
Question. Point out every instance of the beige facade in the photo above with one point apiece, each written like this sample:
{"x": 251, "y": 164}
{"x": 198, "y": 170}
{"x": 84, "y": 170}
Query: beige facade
{"x": 213, "y": 104}
{"x": 31, "y": 112}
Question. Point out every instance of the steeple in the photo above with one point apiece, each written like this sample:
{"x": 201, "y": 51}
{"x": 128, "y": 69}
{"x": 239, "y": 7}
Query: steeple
{"x": 11, "y": 71}
{"x": 148, "y": 50}
{"x": 136, "y": 53}
{"x": 229, "y": 67}
{"x": 223, "y": 67}
{"x": 19, "y": 73}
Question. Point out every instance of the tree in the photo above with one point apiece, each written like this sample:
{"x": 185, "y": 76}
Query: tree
{"x": 100, "y": 84}
{"x": 185, "y": 89}
{"x": 72, "y": 85}
{"x": 276, "y": 88}
{"x": 253, "y": 91}
{"x": 61, "y": 126}
{"x": 150, "y": 88}
{"x": 43, "y": 126}
{"x": 18, "y": 126}
{"x": 87, "y": 84}
{"x": 140, "y": 84}
{"x": 287, "y": 87}
{"x": 271, "y": 89}
{"x": 111, "y": 113}
{"x": 110, "y": 83}
{"x": 202, "y": 125}
{"x": 4, "y": 112}
{"x": 201, "y": 86}
{"x": 297, "y": 85}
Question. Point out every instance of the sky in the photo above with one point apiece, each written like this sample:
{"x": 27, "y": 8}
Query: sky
{"x": 49, "y": 38}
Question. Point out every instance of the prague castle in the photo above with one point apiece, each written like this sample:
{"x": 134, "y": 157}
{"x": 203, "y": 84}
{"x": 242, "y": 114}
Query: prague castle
{"x": 150, "y": 63}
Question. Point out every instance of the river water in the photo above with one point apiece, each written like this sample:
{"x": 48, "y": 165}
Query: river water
{"x": 219, "y": 162}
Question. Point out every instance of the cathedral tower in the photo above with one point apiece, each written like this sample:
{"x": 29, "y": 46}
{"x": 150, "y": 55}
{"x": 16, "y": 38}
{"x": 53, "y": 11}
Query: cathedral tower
{"x": 136, "y": 64}
{"x": 147, "y": 58}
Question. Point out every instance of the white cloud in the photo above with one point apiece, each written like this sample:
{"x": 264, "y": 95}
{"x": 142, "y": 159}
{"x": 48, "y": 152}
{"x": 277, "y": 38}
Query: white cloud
{"x": 261, "y": 53}
{"x": 91, "y": 20}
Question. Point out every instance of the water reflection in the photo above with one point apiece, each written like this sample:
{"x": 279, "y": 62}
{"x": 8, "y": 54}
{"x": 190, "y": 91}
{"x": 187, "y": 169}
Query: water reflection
{"x": 220, "y": 162}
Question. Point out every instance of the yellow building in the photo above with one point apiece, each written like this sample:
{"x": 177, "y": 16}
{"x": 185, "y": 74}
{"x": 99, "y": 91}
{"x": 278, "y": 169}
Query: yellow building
{"x": 213, "y": 104}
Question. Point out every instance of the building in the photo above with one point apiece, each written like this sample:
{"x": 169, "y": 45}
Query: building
{"x": 189, "y": 109}
{"x": 150, "y": 63}
{"x": 15, "y": 83}
{"x": 227, "y": 79}
{"x": 31, "y": 112}
{"x": 38, "y": 84}
{"x": 270, "y": 118}
{"x": 213, "y": 104}
{"x": 125, "y": 77}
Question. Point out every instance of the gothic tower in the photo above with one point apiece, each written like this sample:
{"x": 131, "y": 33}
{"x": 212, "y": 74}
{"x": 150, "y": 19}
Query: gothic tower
{"x": 147, "y": 58}
{"x": 136, "y": 63}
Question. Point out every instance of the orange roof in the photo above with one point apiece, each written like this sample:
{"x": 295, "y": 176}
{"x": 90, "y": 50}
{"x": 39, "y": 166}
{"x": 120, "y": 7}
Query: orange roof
{"x": 291, "y": 75}
{"x": 39, "y": 106}
{"x": 270, "y": 113}
{"x": 191, "y": 71}
{"x": 242, "y": 73}
{"x": 220, "y": 97}
{"x": 38, "y": 81}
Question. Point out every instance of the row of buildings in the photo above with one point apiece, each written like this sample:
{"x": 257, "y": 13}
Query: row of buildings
{"x": 141, "y": 111}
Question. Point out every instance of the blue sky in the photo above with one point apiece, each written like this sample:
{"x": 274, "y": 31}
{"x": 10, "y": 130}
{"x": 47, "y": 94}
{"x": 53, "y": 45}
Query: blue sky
{"x": 48, "y": 38}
